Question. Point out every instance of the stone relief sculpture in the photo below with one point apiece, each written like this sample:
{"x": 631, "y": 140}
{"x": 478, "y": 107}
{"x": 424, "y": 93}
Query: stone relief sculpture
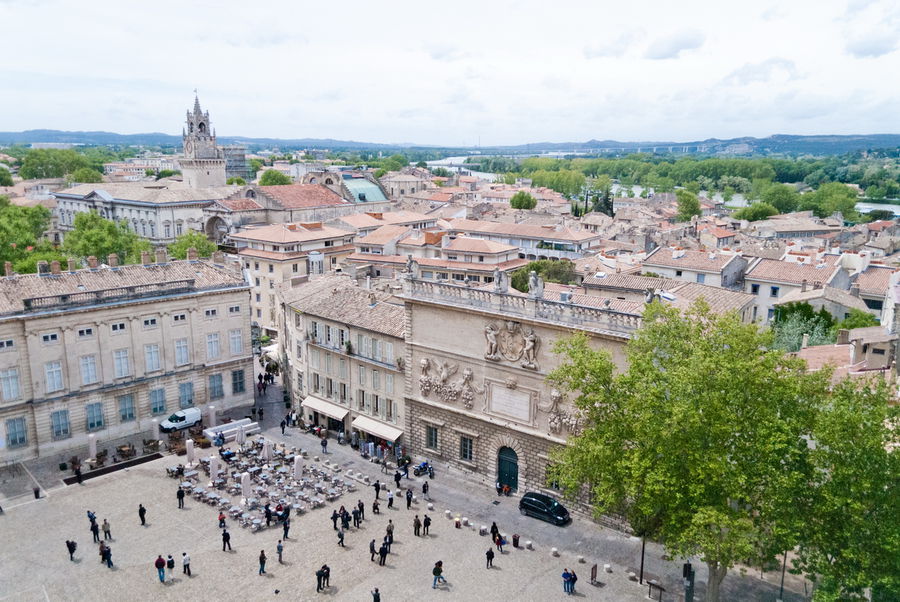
{"x": 425, "y": 379}
{"x": 468, "y": 389}
{"x": 448, "y": 392}
{"x": 572, "y": 420}
{"x": 535, "y": 285}
{"x": 511, "y": 344}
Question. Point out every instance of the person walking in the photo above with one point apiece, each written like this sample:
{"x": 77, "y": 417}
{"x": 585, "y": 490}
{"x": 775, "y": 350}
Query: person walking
{"x": 160, "y": 565}
{"x": 362, "y": 510}
{"x": 107, "y": 556}
{"x": 95, "y": 529}
{"x": 409, "y": 497}
{"x": 71, "y": 546}
{"x": 226, "y": 539}
{"x": 185, "y": 564}
{"x": 180, "y": 496}
{"x": 494, "y": 531}
{"x": 341, "y": 538}
{"x": 390, "y": 531}
{"x": 345, "y": 521}
{"x": 572, "y": 579}
{"x": 425, "y": 524}
{"x": 566, "y": 577}
{"x": 390, "y": 496}
{"x": 334, "y": 519}
{"x": 262, "y": 562}
{"x": 107, "y": 533}
{"x": 283, "y": 424}
{"x": 425, "y": 490}
{"x": 376, "y": 595}
{"x": 320, "y": 576}
{"x": 261, "y": 409}
{"x": 286, "y": 526}
{"x": 377, "y": 487}
{"x": 397, "y": 478}
{"x": 222, "y": 520}
{"x": 324, "y": 445}
{"x": 490, "y": 558}
{"x": 372, "y": 550}
{"x": 498, "y": 539}
{"x": 438, "y": 572}
{"x": 102, "y": 551}
{"x": 382, "y": 554}
{"x": 78, "y": 475}
{"x": 417, "y": 526}
{"x": 142, "y": 514}
{"x": 265, "y": 386}
{"x": 280, "y": 549}
{"x": 91, "y": 517}
{"x": 170, "y": 568}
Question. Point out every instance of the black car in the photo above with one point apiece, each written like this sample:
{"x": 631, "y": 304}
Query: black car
{"x": 543, "y": 507}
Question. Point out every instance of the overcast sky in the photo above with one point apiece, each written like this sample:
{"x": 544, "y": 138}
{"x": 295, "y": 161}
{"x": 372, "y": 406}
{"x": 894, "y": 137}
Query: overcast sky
{"x": 455, "y": 73}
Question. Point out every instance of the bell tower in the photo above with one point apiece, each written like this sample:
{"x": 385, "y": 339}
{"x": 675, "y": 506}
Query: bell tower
{"x": 202, "y": 163}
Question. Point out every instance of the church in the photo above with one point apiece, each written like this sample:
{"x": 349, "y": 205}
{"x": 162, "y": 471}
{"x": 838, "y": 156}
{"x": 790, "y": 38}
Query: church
{"x": 203, "y": 162}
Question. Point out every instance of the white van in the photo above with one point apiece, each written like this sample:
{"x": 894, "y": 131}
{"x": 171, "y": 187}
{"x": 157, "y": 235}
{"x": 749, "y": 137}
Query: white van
{"x": 181, "y": 419}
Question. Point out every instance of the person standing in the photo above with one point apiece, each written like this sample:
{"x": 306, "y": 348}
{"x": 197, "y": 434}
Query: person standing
{"x": 397, "y": 478}
{"x": 320, "y": 578}
{"x": 78, "y": 474}
{"x": 107, "y": 532}
{"x": 494, "y": 531}
{"x": 180, "y": 496}
{"x": 376, "y": 595}
{"x": 572, "y": 579}
{"x": 566, "y": 577}
{"x": 185, "y": 564}
{"x": 390, "y": 531}
{"x": 221, "y": 520}
{"x": 417, "y": 526}
{"x": 341, "y": 538}
{"x": 490, "y": 558}
{"x": 438, "y": 572}
{"x": 226, "y": 539}
{"x": 425, "y": 490}
{"x": 102, "y": 552}
{"x": 390, "y": 496}
{"x": 382, "y": 554}
{"x": 356, "y": 518}
{"x": 160, "y": 565}
{"x": 91, "y": 517}
{"x": 280, "y": 549}
{"x": 409, "y": 496}
{"x": 362, "y": 510}
{"x": 142, "y": 514}
{"x": 170, "y": 568}
{"x": 425, "y": 524}
{"x": 498, "y": 539}
{"x": 283, "y": 424}
{"x": 334, "y": 519}
{"x": 375, "y": 507}
{"x": 286, "y": 527}
{"x": 372, "y": 549}
{"x": 95, "y": 529}
{"x": 377, "y": 487}
{"x": 262, "y": 562}
{"x": 268, "y": 513}
{"x": 71, "y": 546}
{"x": 327, "y": 576}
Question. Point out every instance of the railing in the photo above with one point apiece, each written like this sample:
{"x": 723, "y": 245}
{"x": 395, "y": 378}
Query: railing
{"x": 558, "y": 312}
{"x": 109, "y": 294}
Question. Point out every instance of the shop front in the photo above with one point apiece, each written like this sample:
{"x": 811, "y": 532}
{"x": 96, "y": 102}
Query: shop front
{"x": 377, "y": 439}
{"x": 325, "y": 414}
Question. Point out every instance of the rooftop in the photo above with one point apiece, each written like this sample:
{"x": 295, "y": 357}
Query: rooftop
{"x": 363, "y": 190}
{"x": 793, "y": 272}
{"x": 827, "y": 293}
{"x": 149, "y": 192}
{"x": 706, "y": 261}
{"x": 302, "y": 196}
{"x": 875, "y": 280}
{"x": 373, "y": 220}
{"x": 287, "y": 233}
{"x": 465, "y": 244}
{"x": 523, "y": 230}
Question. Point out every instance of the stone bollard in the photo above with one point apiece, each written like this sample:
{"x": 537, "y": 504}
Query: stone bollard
{"x": 448, "y": 514}
{"x": 607, "y": 568}
{"x": 315, "y": 458}
{"x": 366, "y": 479}
{"x": 465, "y": 521}
{"x": 529, "y": 545}
{"x": 430, "y": 506}
{"x": 581, "y": 559}
{"x": 415, "y": 499}
{"x": 554, "y": 552}
{"x": 632, "y": 576}
{"x": 483, "y": 530}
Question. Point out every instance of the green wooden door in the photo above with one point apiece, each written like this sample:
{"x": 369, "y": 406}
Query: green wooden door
{"x": 508, "y": 467}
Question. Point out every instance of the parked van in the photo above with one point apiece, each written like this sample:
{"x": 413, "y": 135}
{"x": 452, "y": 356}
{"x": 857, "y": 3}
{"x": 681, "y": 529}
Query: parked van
{"x": 181, "y": 419}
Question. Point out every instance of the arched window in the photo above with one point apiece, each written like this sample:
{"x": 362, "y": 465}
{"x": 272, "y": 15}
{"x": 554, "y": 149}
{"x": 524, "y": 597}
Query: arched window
{"x": 201, "y": 127}
{"x": 251, "y": 194}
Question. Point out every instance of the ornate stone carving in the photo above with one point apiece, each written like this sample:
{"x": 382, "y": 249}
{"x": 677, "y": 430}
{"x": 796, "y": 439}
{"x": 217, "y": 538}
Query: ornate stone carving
{"x": 511, "y": 382}
{"x": 511, "y": 344}
{"x": 448, "y": 392}
{"x": 490, "y": 333}
{"x": 401, "y": 364}
{"x": 425, "y": 379}
{"x": 535, "y": 285}
{"x": 529, "y": 352}
{"x": 468, "y": 390}
{"x": 572, "y": 420}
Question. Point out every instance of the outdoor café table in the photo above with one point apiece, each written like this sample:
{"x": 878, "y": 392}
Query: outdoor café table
{"x": 257, "y": 522}
{"x": 191, "y": 474}
{"x": 187, "y": 485}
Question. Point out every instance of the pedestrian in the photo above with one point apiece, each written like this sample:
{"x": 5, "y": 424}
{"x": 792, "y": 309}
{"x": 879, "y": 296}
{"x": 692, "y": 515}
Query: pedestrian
{"x": 78, "y": 474}
{"x": 91, "y": 517}
{"x": 425, "y": 524}
{"x": 102, "y": 551}
{"x": 356, "y": 517}
{"x": 259, "y": 386}
{"x": 375, "y": 507}
{"x": 387, "y": 543}
{"x": 384, "y": 466}
{"x": 261, "y": 409}
{"x": 107, "y": 533}
{"x": 334, "y": 519}
{"x": 280, "y": 549}
{"x": 572, "y": 579}
{"x": 160, "y": 565}
{"x": 185, "y": 564}
{"x": 490, "y": 558}
{"x": 376, "y": 595}
{"x": 283, "y": 424}
{"x": 494, "y": 531}
{"x": 498, "y": 539}
{"x": 226, "y": 539}
{"x": 406, "y": 468}
{"x": 362, "y": 510}
{"x": 390, "y": 495}
{"x": 180, "y": 496}
{"x": 71, "y": 546}
{"x": 265, "y": 386}
{"x": 438, "y": 572}
{"x": 425, "y": 490}
{"x": 259, "y": 377}
{"x": 287, "y": 527}
{"x": 324, "y": 445}
{"x": 221, "y": 520}
{"x": 96, "y": 531}
{"x": 341, "y": 538}
{"x": 142, "y": 514}
{"x": 382, "y": 554}
{"x": 397, "y": 478}
{"x": 409, "y": 496}
{"x": 377, "y": 487}
{"x": 390, "y": 531}
{"x": 170, "y": 568}
{"x": 320, "y": 576}
{"x": 262, "y": 562}
{"x": 325, "y": 578}
{"x": 567, "y": 581}
{"x": 417, "y": 526}
{"x": 268, "y": 513}
{"x": 372, "y": 550}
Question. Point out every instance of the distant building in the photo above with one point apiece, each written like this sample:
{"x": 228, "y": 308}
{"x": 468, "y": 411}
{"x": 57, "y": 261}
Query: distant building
{"x": 203, "y": 163}
{"x": 236, "y": 165}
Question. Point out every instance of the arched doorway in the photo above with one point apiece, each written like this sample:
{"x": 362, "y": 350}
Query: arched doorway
{"x": 508, "y": 468}
{"x": 216, "y": 229}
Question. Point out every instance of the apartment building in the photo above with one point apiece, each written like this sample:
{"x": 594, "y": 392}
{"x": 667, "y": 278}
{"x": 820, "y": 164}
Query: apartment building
{"x": 105, "y": 351}
{"x": 714, "y": 268}
{"x": 770, "y": 280}
{"x": 534, "y": 242}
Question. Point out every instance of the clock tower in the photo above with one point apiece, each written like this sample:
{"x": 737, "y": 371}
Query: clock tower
{"x": 202, "y": 163}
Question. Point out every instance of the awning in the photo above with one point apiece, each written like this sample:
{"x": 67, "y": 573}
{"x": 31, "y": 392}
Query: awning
{"x": 325, "y": 407}
{"x": 374, "y": 427}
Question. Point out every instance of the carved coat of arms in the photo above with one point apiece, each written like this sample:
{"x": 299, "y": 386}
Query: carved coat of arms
{"x": 508, "y": 341}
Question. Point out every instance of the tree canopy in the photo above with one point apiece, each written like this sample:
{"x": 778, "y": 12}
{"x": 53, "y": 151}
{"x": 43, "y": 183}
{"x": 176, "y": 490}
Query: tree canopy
{"x": 688, "y": 205}
{"x": 192, "y": 238}
{"x": 272, "y": 177}
{"x": 830, "y": 198}
{"x": 237, "y": 181}
{"x": 94, "y": 235}
{"x": 561, "y": 272}
{"x": 5, "y": 177}
{"x": 781, "y": 196}
{"x": 522, "y": 200}
{"x": 755, "y": 212}
{"x": 21, "y": 232}
{"x": 86, "y": 175}
{"x": 51, "y": 163}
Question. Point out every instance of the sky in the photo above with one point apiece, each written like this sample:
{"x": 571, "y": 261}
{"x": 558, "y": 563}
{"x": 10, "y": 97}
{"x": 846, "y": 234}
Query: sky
{"x": 455, "y": 73}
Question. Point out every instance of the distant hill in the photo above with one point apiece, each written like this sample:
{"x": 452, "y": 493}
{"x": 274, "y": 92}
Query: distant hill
{"x": 778, "y": 144}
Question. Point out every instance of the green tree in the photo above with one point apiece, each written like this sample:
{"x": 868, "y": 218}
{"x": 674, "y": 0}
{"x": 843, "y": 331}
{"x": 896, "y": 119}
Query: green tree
{"x": 688, "y": 205}
{"x": 693, "y": 187}
{"x": 781, "y": 196}
{"x": 192, "y": 238}
{"x": 86, "y": 175}
{"x": 42, "y": 251}
{"x": 166, "y": 173}
{"x": 94, "y": 235}
{"x": 379, "y": 173}
{"x": 5, "y": 177}
{"x": 51, "y": 163}
{"x": 756, "y": 211}
{"x": 236, "y": 181}
{"x": 441, "y": 172}
{"x": 880, "y": 214}
{"x": 561, "y": 272}
{"x": 830, "y": 198}
{"x": 21, "y": 232}
{"x": 272, "y": 177}
{"x": 255, "y": 165}
{"x": 727, "y": 194}
{"x": 699, "y": 434}
{"x": 522, "y": 200}
{"x": 857, "y": 319}
{"x": 422, "y": 164}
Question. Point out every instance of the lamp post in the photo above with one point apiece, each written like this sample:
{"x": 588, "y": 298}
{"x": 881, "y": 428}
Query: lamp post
{"x": 643, "y": 544}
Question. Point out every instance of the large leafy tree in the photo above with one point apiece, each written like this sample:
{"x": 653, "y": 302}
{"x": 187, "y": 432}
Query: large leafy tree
{"x": 94, "y": 235}
{"x": 688, "y": 205}
{"x": 5, "y": 177}
{"x": 51, "y": 163}
{"x": 783, "y": 197}
{"x": 756, "y": 211}
{"x": 87, "y": 175}
{"x": 702, "y": 435}
{"x": 832, "y": 197}
{"x": 191, "y": 238}
{"x": 272, "y": 177}
{"x": 21, "y": 232}
{"x": 522, "y": 200}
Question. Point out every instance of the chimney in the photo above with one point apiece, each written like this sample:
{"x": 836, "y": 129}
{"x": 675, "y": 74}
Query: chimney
{"x": 43, "y": 268}
{"x": 803, "y": 286}
{"x": 7, "y": 268}
{"x": 854, "y": 290}
{"x": 71, "y": 263}
{"x": 92, "y": 262}
{"x": 54, "y": 268}
{"x": 192, "y": 254}
{"x": 843, "y": 337}
{"x": 145, "y": 257}
{"x": 162, "y": 256}
{"x": 805, "y": 342}
{"x": 112, "y": 260}
{"x": 218, "y": 258}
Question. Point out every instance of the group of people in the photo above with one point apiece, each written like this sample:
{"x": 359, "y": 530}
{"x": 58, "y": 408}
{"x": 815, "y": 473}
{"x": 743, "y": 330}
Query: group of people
{"x": 263, "y": 381}
{"x": 569, "y": 578}
{"x": 165, "y": 567}
{"x": 104, "y": 550}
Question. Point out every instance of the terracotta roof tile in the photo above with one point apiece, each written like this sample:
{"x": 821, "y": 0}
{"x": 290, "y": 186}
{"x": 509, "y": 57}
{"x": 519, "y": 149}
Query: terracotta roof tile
{"x": 874, "y": 280}
{"x": 690, "y": 259}
{"x": 792, "y": 272}
{"x": 301, "y": 196}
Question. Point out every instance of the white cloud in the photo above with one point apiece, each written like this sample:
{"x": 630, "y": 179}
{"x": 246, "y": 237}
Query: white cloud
{"x": 670, "y": 47}
{"x": 762, "y": 72}
{"x": 872, "y": 46}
